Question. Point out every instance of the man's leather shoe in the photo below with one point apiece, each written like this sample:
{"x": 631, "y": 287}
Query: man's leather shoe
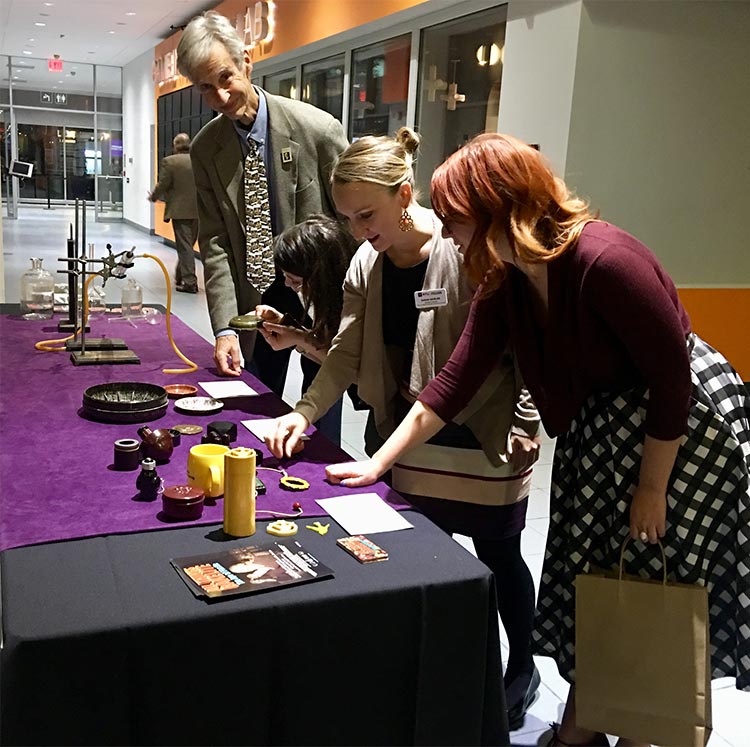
{"x": 517, "y": 710}
{"x": 186, "y": 288}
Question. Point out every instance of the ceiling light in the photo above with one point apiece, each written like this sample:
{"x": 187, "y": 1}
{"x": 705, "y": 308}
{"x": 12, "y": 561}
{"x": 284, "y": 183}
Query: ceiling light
{"x": 130, "y": 13}
{"x": 39, "y": 23}
{"x": 49, "y": 5}
{"x": 110, "y": 32}
{"x": 26, "y": 51}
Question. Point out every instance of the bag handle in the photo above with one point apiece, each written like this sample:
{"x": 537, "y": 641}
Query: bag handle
{"x": 663, "y": 558}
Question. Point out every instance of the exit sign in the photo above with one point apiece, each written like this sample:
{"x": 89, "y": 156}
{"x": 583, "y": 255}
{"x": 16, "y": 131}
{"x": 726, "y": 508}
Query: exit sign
{"x": 54, "y": 66}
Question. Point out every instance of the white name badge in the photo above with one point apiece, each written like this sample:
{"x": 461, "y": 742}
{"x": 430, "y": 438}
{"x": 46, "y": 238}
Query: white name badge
{"x": 430, "y": 299}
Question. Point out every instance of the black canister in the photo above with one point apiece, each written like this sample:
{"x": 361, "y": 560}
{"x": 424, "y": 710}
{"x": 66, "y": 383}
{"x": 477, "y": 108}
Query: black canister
{"x": 127, "y": 454}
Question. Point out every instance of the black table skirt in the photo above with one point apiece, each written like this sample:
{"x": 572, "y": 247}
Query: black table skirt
{"x": 104, "y": 644}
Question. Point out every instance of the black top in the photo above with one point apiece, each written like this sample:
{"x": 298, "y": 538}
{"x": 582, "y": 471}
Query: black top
{"x": 400, "y": 314}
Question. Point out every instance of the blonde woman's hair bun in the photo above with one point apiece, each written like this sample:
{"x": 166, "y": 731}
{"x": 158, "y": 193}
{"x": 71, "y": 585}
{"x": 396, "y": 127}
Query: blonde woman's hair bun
{"x": 408, "y": 139}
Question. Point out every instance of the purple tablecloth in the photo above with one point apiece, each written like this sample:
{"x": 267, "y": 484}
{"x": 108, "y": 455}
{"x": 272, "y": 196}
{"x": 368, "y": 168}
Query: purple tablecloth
{"x": 57, "y": 480}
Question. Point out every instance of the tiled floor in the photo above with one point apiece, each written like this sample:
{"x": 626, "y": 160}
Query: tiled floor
{"x": 43, "y": 233}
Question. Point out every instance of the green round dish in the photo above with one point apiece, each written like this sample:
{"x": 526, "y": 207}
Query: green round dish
{"x": 245, "y": 322}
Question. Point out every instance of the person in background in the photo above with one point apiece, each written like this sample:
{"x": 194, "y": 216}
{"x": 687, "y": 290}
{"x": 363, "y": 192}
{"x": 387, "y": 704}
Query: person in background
{"x": 176, "y": 187}
{"x": 296, "y": 145}
{"x": 313, "y": 257}
{"x": 405, "y": 303}
{"x": 653, "y": 436}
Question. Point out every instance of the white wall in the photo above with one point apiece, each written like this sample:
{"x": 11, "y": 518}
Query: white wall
{"x": 660, "y": 128}
{"x": 541, "y": 45}
{"x": 138, "y": 120}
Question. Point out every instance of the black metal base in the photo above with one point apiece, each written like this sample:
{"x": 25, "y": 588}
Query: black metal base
{"x": 99, "y": 357}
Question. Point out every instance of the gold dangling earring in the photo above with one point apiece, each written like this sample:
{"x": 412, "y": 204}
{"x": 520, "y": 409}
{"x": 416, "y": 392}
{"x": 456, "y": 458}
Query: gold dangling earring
{"x": 406, "y": 222}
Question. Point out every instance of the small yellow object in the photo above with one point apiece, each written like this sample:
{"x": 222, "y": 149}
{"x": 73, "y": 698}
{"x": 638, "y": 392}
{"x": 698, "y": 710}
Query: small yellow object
{"x": 294, "y": 483}
{"x": 316, "y": 526}
{"x": 282, "y": 528}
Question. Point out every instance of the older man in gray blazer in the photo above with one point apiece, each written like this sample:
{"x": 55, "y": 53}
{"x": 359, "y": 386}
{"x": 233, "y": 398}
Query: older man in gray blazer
{"x": 176, "y": 187}
{"x": 299, "y": 145}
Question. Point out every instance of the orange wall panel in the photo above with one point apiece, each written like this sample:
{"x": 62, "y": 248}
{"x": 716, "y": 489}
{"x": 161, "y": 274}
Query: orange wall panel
{"x": 297, "y": 22}
{"x": 721, "y": 316}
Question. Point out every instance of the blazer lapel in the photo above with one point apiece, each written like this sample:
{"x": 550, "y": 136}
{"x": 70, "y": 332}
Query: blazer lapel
{"x": 230, "y": 167}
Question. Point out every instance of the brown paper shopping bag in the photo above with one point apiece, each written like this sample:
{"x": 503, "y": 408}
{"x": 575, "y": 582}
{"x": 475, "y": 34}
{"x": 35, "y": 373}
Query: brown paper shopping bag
{"x": 642, "y": 658}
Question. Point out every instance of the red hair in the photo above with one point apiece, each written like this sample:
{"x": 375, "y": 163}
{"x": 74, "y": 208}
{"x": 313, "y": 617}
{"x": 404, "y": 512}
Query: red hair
{"x": 505, "y": 187}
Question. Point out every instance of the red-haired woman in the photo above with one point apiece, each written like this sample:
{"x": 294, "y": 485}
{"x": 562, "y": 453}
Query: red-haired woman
{"x": 653, "y": 437}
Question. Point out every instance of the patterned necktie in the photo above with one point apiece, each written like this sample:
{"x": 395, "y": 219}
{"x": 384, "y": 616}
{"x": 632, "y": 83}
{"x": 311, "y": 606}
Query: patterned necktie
{"x": 261, "y": 270}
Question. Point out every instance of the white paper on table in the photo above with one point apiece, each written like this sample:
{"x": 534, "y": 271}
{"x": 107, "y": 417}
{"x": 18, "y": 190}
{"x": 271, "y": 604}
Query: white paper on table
{"x": 363, "y": 513}
{"x": 260, "y": 428}
{"x": 224, "y": 389}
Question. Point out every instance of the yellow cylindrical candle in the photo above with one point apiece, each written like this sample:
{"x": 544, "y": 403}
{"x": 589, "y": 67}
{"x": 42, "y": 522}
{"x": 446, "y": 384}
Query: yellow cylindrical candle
{"x": 239, "y": 492}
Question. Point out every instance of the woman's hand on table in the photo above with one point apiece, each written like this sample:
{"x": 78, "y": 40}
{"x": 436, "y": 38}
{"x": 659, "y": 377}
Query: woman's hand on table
{"x": 227, "y": 355}
{"x": 354, "y": 474}
{"x": 279, "y": 337}
{"x": 286, "y": 438}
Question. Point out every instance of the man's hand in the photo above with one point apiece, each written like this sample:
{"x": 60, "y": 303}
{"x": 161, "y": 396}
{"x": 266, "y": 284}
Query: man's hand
{"x": 286, "y": 439}
{"x": 227, "y": 355}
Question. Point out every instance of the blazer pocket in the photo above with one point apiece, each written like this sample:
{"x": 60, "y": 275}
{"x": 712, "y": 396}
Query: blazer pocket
{"x": 305, "y": 184}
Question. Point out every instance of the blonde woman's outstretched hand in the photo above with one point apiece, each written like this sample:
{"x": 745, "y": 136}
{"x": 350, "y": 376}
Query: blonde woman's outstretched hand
{"x": 354, "y": 474}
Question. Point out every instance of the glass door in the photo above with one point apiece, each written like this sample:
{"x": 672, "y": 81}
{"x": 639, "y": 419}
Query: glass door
{"x": 109, "y": 175}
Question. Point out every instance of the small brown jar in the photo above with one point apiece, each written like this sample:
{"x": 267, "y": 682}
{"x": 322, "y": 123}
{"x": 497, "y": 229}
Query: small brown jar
{"x": 127, "y": 454}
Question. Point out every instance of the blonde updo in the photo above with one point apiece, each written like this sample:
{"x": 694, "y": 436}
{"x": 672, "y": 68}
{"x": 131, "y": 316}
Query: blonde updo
{"x": 387, "y": 161}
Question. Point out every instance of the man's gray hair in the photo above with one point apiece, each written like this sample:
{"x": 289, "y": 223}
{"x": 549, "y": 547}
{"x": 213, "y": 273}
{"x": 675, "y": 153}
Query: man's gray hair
{"x": 198, "y": 40}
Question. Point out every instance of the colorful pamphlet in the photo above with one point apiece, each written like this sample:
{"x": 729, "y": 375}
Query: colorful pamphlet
{"x": 246, "y": 570}
{"x": 363, "y": 549}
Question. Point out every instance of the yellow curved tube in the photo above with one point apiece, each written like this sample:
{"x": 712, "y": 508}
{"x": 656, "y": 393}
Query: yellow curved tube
{"x": 192, "y": 366}
{"x": 50, "y": 346}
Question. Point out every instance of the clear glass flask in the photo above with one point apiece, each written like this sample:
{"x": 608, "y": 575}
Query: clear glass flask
{"x": 37, "y": 292}
{"x": 132, "y": 299}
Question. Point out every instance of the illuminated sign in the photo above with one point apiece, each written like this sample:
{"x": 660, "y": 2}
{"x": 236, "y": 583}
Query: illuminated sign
{"x": 54, "y": 65}
{"x": 255, "y": 26}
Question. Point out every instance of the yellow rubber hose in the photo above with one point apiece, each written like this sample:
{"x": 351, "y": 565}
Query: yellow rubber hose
{"x": 51, "y": 346}
{"x": 192, "y": 366}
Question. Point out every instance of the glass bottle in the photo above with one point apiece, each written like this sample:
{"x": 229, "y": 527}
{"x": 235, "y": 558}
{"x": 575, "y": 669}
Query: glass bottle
{"x": 37, "y": 292}
{"x": 148, "y": 481}
{"x": 132, "y": 299}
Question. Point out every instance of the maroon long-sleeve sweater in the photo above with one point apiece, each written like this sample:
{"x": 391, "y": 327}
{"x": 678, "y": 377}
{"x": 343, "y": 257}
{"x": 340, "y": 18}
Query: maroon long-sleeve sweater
{"x": 614, "y": 322}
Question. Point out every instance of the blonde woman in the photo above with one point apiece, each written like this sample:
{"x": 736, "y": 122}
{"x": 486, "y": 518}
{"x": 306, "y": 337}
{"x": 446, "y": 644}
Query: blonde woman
{"x": 405, "y": 303}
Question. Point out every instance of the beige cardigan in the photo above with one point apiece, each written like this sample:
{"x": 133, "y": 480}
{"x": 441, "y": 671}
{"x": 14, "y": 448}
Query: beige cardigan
{"x": 358, "y": 354}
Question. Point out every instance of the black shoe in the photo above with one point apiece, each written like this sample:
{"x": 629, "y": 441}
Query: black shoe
{"x": 186, "y": 288}
{"x": 517, "y": 710}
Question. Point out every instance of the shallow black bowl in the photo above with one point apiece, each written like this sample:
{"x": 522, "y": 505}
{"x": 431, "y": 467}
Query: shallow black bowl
{"x": 125, "y": 402}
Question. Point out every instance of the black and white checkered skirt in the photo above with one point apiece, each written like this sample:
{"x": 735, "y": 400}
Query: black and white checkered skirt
{"x": 707, "y": 537}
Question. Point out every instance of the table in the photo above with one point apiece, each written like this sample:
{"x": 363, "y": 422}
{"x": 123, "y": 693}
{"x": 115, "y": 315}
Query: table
{"x": 102, "y": 643}
{"x": 68, "y": 460}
